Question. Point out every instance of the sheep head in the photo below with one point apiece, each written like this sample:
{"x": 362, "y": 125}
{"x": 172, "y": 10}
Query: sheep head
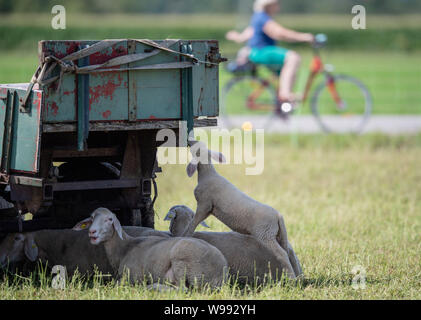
{"x": 201, "y": 154}
{"x": 180, "y": 216}
{"x": 16, "y": 246}
{"x": 102, "y": 225}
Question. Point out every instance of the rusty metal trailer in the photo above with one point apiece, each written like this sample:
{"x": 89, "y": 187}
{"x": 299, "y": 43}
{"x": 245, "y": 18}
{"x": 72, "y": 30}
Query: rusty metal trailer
{"x": 82, "y": 133}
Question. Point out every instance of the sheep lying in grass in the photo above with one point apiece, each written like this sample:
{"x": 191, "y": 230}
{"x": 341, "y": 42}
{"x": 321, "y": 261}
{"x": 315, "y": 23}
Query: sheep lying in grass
{"x": 145, "y": 232}
{"x": 248, "y": 259}
{"x": 16, "y": 265}
{"x": 68, "y": 248}
{"x": 216, "y": 195}
{"x": 180, "y": 261}
{"x": 57, "y": 247}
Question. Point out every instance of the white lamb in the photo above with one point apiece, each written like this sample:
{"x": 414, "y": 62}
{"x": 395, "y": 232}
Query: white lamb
{"x": 216, "y": 195}
{"x": 249, "y": 261}
{"x": 68, "y": 248}
{"x": 180, "y": 261}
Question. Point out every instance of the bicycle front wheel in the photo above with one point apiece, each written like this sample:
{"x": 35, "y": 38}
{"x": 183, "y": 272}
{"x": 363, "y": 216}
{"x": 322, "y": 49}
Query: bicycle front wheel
{"x": 245, "y": 100}
{"x": 341, "y": 104}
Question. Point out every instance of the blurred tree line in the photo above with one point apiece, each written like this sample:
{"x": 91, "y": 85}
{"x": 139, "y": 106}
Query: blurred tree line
{"x": 208, "y": 6}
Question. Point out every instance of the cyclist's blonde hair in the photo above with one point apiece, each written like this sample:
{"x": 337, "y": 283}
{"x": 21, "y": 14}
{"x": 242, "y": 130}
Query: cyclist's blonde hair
{"x": 260, "y": 5}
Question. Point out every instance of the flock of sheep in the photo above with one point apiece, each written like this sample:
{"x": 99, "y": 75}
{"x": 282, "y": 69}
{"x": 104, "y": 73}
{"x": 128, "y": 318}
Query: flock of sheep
{"x": 256, "y": 249}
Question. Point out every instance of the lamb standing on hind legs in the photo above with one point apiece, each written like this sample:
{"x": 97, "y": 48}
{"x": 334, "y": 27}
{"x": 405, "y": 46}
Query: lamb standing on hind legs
{"x": 179, "y": 261}
{"x": 249, "y": 261}
{"x": 216, "y": 195}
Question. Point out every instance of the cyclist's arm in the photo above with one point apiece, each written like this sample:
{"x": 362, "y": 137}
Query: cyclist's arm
{"x": 277, "y": 32}
{"x": 240, "y": 37}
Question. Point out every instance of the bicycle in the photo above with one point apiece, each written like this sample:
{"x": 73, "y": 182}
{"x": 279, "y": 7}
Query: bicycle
{"x": 339, "y": 97}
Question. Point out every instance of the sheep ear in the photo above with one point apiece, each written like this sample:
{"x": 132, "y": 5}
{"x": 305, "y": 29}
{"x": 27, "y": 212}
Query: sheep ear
{"x": 117, "y": 227}
{"x": 203, "y": 223}
{"x": 30, "y": 248}
{"x": 217, "y": 156}
{"x": 170, "y": 215}
{"x": 191, "y": 168}
{"x": 82, "y": 225}
{"x": 191, "y": 143}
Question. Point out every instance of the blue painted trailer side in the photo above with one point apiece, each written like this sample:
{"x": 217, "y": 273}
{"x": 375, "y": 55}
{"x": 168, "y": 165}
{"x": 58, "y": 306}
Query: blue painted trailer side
{"x": 205, "y": 81}
{"x": 157, "y": 92}
{"x": 120, "y": 95}
{"x": 137, "y": 94}
{"x": 25, "y": 131}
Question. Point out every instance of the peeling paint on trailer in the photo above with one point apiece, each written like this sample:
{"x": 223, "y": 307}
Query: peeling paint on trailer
{"x": 54, "y": 108}
{"x": 102, "y": 57}
{"x": 105, "y": 90}
{"x": 69, "y": 48}
{"x": 106, "y": 114}
{"x": 69, "y": 92}
{"x": 37, "y": 103}
{"x": 133, "y": 95}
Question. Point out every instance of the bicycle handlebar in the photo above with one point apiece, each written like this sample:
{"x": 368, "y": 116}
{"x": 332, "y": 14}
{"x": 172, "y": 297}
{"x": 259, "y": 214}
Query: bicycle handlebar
{"x": 320, "y": 40}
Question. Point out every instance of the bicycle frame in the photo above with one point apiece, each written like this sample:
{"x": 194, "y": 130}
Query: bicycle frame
{"x": 316, "y": 67}
{"x": 328, "y": 99}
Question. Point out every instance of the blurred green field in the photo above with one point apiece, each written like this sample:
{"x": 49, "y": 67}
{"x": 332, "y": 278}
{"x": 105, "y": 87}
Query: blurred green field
{"x": 394, "y": 79}
{"x": 386, "y": 56}
{"x": 400, "y": 32}
{"x": 177, "y": 20}
{"x": 346, "y": 200}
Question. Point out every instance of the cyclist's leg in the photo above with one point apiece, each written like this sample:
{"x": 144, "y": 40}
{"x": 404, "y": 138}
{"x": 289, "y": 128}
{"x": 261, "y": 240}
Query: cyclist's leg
{"x": 288, "y": 60}
{"x": 288, "y": 75}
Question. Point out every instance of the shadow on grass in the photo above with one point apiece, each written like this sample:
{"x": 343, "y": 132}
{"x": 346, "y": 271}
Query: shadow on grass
{"x": 40, "y": 275}
{"x": 324, "y": 281}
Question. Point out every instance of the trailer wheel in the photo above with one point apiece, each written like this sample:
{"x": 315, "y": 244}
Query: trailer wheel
{"x": 72, "y": 206}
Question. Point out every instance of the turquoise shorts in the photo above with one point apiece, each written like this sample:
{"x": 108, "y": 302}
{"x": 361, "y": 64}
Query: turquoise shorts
{"x": 270, "y": 55}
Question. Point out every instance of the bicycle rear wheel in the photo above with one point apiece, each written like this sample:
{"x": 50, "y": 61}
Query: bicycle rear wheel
{"x": 247, "y": 99}
{"x": 341, "y": 104}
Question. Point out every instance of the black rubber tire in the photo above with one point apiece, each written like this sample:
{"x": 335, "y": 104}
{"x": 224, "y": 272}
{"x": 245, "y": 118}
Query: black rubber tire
{"x": 367, "y": 108}
{"x": 225, "y": 114}
{"x": 67, "y": 214}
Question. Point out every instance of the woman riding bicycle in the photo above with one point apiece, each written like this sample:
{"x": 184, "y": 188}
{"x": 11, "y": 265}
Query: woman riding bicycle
{"x": 262, "y": 35}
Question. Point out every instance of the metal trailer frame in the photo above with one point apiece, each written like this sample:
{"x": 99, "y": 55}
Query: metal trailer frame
{"x": 108, "y": 162}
